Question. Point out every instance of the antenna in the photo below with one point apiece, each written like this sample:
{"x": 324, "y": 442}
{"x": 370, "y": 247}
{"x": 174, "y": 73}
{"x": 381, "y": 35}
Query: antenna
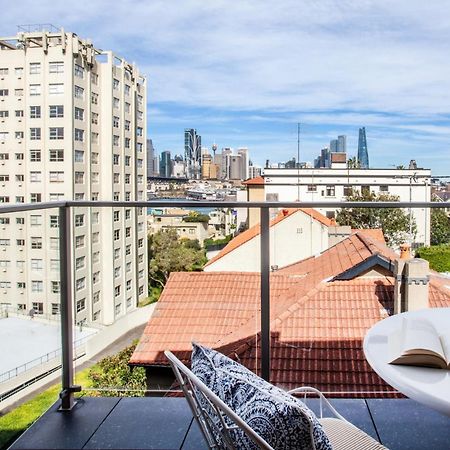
{"x": 298, "y": 161}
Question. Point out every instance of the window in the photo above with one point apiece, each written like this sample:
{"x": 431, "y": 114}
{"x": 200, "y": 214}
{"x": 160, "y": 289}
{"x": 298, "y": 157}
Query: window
{"x": 4, "y": 264}
{"x": 18, "y": 92}
{"x": 56, "y": 111}
{"x": 127, "y": 125}
{"x": 78, "y": 92}
{"x": 118, "y": 309}
{"x": 140, "y": 226}
{"x": 56, "y": 88}
{"x": 35, "y": 68}
{"x": 56, "y": 67}
{"x": 36, "y": 242}
{"x": 128, "y": 250}
{"x": 140, "y": 163}
{"x": 94, "y": 137}
{"x": 4, "y": 156}
{"x": 35, "y": 177}
{"x": 140, "y": 100}
{"x": 94, "y": 98}
{"x": 4, "y": 113}
{"x": 116, "y": 235}
{"x": 139, "y": 131}
{"x": 95, "y": 217}
{"x": 35, "y": 134}
{"x": 54, "y": 221}
{"x": 127, "y": 107}
{"x": 95, "y": 237}
{"x": 116, "y": 291}
{"x": 384, "y": 188}
{"x": 78, "y": 71}
{"x": 116, "y": 196}
{"x": 37, "y": 286}
{"x": 21, "y": 285}
{"x": 4, "y": 220}
{"x": 116, "y": 83}
{"x": 54, "y": 264}
{"x": 35, "y": 220}
{"x": 5, "y": 242}
{"x": 56, "y": 133}
{"x": 116, "y": 216}
{"x": 127, "y": 214}
{"x": 312, "y": 188}
{"x": 56, "y": 176}
{"x": 79, "y": 156}
{"x": 56, "y": 287}
{"x": 55, "y": 309}
{"x": 365, "y": 190}
{"x": 127, "y": 160}
{"x": 80, "y": 283}
{"x": 3, "y": 135}
{"x": 79, "y": 241}
{"x": 128, "y": 266}
{"x": 94, "y": 158}
{"x": 38, "y": 307}
{"x": 20, "y": 220}
{"x": 18, "y": 71}
{"x": 127, "y": 178}
{"x": 127, "y": 89}
{"x": 19, "y": 112}
{"x": 140, "y": 115}
{"x": 35, "y": 89}
{"x": 140, "y": 243}
{"x": 79, "y": 113}
{"x": 115, "y": 158}
{"x": 18, "y": 134}
{"x": 139, "y": 147}
{"x": 56, "y": 196}
{"x": 79, "y": 196}
{"x": 95, "y": 177}
{"x": 79, "y": 177}
{"x": 141, "y": 273}
{"x": 35, "y": 155}
{"x": 127, "y": 231}
{"x": 81, "y": 305}
{"x": 95, "y": 257}
{"x": 141, "y": 290}
{"x": 54, "y": 243}
{"x": 57, "y": 156}
{"x": 348, "y": 190}
{"x": 4, "y": 92}
{"x": 4, "y": 199}
{"x": 36, "y": 264}
{"x": 20, "y": 199}
{"x": 4, "y": 178}
{"x": 116, "y": 140}
{"x": 79, "y": 135}
{"x": 127, "y": 142}
{"x": 35, "y": 112}
{"x": 116, "y": 253}
{"x": 140, "y": 179}
{"x": 116, "y": 272}
{"x": 3, "y": 71}
{"x": 116, "y": 178}
{"x": 116, "y": 102}
{"x": 35, "y": 197}
{"x": 19, "y": 178}
{"x": 79, "y": 220}
{"x": 94, "y": 118}
{"x": 80, "y": 262}
{"x": 94, "y": 78}
{"x": 5, "y": 284}
{"x": 95, "y": 277}
{"x": 19, "y": 156}
{"x": 330, "y": 191}
{"x": 141, "y": 258}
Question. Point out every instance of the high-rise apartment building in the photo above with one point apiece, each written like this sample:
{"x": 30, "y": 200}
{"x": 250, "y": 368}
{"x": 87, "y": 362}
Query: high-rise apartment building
{"x": 363, "y": 155}
{"x": 72, "y": 126}
{"x": 192, "y": 153}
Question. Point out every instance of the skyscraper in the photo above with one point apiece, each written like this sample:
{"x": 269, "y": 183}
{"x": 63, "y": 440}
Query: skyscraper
{"x": 363, "y": 155}
{"x": 342, "y": 144}
{"x": 192, "y": 153}
{"x": 334, "y": 145}
{"x": 73, "y": 128}
{"x": 152, "y": 170}
{"x": 165, "y": 165}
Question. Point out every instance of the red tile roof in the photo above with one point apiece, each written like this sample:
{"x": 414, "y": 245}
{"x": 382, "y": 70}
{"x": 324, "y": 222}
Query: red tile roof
{"x": 317, "y": 324}
{"x": 374, "y": 233}
{"x": 254, "y": 181}
{"x": 254, "y": 231}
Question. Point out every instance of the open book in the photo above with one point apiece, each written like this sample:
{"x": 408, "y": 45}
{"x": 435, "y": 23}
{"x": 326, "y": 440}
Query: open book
{"x": 417, "y": 343}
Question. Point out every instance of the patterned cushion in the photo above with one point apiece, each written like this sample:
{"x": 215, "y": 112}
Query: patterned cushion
{"x": 281, "y": 420}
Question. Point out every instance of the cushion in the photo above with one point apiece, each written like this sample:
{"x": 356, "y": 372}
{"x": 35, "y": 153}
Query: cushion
{"x": 283, "y": 421}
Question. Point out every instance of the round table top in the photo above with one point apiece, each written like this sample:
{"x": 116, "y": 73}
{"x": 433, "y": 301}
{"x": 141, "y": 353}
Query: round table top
{"x": 423, "y": 384}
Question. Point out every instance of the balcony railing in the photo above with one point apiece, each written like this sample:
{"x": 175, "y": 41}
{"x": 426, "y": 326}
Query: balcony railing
{"x": 65, "y": 210}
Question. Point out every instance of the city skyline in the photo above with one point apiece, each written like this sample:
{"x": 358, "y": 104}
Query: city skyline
{"x": 253, "y": 72}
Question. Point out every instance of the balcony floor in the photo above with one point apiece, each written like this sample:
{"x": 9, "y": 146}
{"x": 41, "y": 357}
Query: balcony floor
{"x": 167, "y": 423}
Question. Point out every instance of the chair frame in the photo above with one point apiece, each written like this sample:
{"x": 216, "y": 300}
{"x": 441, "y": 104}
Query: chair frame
{"x": 217, "y": 430}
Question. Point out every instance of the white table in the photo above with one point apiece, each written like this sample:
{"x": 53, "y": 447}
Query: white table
{"x": 425, "y": 385}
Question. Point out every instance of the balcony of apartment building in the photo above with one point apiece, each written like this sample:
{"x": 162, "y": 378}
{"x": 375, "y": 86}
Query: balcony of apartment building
{"x": 298, "y": 321}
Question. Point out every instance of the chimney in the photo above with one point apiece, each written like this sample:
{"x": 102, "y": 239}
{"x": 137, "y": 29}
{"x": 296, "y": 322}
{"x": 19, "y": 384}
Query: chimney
{"x": 411, "y": 284}
{"x": 404, "y": 251}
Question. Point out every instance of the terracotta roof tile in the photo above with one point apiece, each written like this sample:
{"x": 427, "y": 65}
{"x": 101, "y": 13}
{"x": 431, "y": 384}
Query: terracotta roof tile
{"x": 254, "y": 181}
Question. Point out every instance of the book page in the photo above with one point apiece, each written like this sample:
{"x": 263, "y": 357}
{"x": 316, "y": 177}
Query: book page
{"x": 445, "y": 342}
{"x": 420, "y": 334}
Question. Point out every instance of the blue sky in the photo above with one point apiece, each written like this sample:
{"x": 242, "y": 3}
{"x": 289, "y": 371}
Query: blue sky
{"x": 244, "y": 73}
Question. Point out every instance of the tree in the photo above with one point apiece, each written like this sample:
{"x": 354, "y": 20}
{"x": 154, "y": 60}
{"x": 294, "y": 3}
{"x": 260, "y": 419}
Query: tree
{"x": 195, "y": 216}
{"x": 167, "y": 253}
{"x": 114, "y": 372}
{"x": 440, "y": 227}
{"x": 353, "y": 163}
{"x": 394, "y": 222}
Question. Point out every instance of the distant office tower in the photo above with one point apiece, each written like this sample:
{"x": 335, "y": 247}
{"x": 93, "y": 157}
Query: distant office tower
{"x": 334, "y": 145}
{"x": 73, "y": 128}
{"x": 192, "y": 153}
{"x": 226, "y": 163}
{"x": 243, "y": 152}
{"x": 235, "y": 167}
{"x": 363, "y": 155}
{"x": 150, "y": 159}
{"x": 165, "y": 165}
{"x": 342, "y": 144}
{"x": 323, "y": 160}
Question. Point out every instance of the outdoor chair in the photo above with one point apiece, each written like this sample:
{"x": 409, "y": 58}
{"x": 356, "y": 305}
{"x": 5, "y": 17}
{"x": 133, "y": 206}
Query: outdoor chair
{"x": 222, "y": 426}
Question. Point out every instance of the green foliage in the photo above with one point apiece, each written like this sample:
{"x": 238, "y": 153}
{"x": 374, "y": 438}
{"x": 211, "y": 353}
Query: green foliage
{"x": 167, "y": 253}
{"x": 394, "y": 222}
{"x": 114, "y": 372}
{"x": 438, "y": 256}
{"x": 440, "y": 227}
{"x": 209, "y": 242}
{"x": 191, "y": 243}
{"x": 195, "y": 216}
{"x": 353, "y": 163}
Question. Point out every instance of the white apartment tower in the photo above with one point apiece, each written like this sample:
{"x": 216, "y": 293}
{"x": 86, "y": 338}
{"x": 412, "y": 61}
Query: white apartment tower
{"x": 72, "y": 126}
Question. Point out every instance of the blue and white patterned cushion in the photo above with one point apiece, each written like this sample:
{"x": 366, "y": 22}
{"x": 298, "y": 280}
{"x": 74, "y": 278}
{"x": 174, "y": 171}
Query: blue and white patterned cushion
{"x": 281, "y": 420}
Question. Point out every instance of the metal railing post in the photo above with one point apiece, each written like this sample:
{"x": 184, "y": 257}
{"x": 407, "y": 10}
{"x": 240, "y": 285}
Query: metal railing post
{"x": 65, "y": 239}
{"x": 265, "y": 293}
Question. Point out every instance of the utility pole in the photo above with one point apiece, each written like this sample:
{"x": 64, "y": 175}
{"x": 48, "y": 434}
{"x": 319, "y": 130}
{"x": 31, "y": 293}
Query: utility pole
{"x": 298, "y": 161}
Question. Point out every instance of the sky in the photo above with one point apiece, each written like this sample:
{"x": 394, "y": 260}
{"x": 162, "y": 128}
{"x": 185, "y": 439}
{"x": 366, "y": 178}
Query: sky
{"x": 245, "y": 73}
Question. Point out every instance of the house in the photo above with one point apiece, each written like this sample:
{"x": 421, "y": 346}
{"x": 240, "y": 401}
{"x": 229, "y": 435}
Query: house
{"x": 321, "y": 309}
{"x": 295, "y": 234}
